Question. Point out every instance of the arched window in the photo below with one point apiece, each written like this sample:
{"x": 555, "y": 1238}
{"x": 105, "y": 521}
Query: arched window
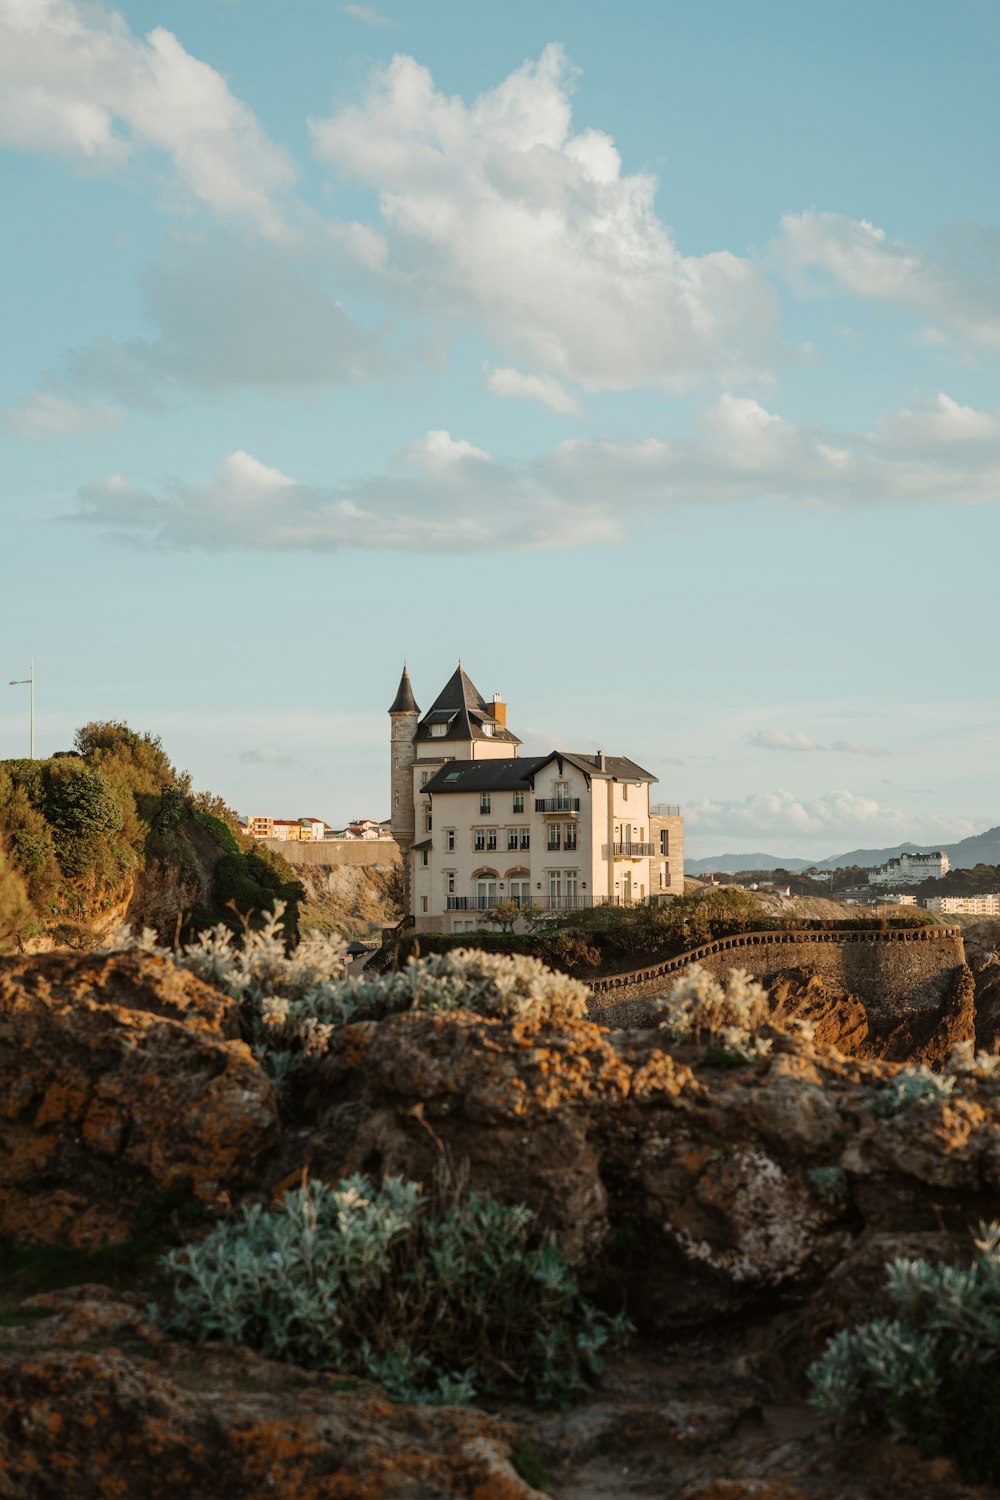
{"x": 519, "y": 886}
{"x": 486, "y": 891}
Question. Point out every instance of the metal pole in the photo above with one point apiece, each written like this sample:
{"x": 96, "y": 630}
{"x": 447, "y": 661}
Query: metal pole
{"x": 28, "y": 682}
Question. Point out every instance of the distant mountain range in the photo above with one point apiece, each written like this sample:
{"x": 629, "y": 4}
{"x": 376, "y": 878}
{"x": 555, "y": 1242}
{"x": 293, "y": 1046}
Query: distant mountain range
{"x": 978, "y": 849}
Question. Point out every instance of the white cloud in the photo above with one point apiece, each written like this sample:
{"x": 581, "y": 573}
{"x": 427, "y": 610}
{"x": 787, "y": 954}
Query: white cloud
{"x": 782, "y": 813}
{"x": 542, "y": 388}
{"x": 782, "y": 739}
{"x": 368, "y": 15}
{"x": 249, "y": 506}
{"x": 497, "y": 210}
{"x": 76, "y": 82}
{"x": 459, "y": 498}
{"x": 438, "y": 450}
{"x": 46, "y": 415}
{"x": 956, "y": 286}
{"x": 229, "y": 313}
{"x": 266, "y": 755}
{"x": 798, "y": 740}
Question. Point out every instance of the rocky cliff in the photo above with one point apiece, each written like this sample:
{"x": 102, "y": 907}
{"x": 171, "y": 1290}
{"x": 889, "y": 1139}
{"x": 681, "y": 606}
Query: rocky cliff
{"x": 741, "y": 1211}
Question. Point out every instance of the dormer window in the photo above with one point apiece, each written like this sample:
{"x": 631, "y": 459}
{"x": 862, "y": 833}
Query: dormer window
{"x": 487, "y": 729}
{"x": 439, "y": 730}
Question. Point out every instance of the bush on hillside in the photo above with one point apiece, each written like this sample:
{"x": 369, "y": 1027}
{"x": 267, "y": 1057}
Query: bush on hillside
{"x": 438, "y": 1306}
{"x": 931, "y": 1372}
{"x": 15, "y": 908}
{"x": 80, "y": 825}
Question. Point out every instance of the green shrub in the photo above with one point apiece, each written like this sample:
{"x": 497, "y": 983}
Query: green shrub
{"x": 80, "y": 802}
{"x": 219, "y": 828}
{"x": 933, "y": 1371}
{"x": 439, "y": 1306}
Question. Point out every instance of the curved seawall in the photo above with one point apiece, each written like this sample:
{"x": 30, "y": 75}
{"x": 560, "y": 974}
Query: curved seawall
{"x": 898, "y": 973}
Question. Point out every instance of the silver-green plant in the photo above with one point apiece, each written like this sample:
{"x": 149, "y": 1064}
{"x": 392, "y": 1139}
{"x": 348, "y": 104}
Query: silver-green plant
{"x": 438, "y": 1306}
{"x": 502, "y": 986}
{"x": 297, "y": 1001}
{"x": 933, "y": 1371}
{"x": 963, "y": 1061}
{"x": 723, "y": 1017}
{"x": 911, "y": 1086}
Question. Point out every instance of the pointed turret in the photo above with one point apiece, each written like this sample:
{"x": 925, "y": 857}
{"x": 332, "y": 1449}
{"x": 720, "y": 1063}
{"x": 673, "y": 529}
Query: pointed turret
{"x": 404, "y": 701}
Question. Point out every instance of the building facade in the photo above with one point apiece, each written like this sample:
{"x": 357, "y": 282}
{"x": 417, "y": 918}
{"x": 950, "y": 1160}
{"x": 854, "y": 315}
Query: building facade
{"x": 479, "y": 825}
{"x": 965, "y": 906}
{"x": 299, "y": 830}
{"x": 910, "y": 869}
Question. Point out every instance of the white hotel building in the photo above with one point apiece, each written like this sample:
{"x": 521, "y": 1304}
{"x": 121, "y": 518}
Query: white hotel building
{"x": 478, "y": 824}
{"x": 910, "y": 869}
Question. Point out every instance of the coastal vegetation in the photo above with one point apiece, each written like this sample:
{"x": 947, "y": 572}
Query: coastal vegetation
{"x": 82, "y": 830}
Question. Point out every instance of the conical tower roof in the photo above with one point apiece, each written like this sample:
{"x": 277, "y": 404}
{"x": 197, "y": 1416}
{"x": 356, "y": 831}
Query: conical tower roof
{"x": 404, "y": 701}
{"x": 460, "y": 694}
{"x": 461, "y": 707}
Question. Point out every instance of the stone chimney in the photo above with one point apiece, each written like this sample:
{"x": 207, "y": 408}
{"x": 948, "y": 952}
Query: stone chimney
{"x": 499, "y": 710}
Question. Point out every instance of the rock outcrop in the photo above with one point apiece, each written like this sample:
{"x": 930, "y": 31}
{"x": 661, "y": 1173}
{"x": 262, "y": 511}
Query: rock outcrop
{"x": 121, "y": 1078}
{"x": 695, "y": 1188}
{"x": 95, "y": 1403}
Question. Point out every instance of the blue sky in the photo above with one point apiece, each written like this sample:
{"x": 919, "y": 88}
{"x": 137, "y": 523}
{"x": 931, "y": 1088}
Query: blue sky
{"x": 645, "y": 359}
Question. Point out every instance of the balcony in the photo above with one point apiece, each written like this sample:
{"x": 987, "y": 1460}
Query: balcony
{"x": 665, "y": 809}
{"x": 557, "y": 804}
{"x": 633, "y": 850}
{"x": 534, "y": 903}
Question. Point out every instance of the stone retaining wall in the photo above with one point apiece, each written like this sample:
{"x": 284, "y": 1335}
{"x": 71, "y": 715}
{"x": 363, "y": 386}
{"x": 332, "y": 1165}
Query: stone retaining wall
{"x": 337, "y": 851}
{"x": 898, "y": 973}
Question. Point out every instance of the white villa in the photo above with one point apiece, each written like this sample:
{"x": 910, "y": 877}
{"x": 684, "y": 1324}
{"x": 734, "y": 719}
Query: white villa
{"x": 910, "y": 869}
{"x": 478, "y": 824}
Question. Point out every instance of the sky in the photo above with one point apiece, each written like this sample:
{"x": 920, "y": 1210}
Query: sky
{"x": 644, "y": 358}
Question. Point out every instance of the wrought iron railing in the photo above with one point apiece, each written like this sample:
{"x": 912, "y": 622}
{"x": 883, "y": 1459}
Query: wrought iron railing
{"x": 633, "y": 850}
{"x": 557, "y": 804}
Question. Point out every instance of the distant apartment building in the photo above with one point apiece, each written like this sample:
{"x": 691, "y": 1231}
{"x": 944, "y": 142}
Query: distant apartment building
{"x": 364, "y": 828}
{"x": 910, "y": 869}
{"x": 480, "y": 825}
{"x": 303, "y": 830}
{"x": 965, "y": 906}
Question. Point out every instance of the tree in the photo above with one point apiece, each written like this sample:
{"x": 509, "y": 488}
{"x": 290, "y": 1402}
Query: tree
{"x": 15, "y": 908}
{"x": 504, "y": 915}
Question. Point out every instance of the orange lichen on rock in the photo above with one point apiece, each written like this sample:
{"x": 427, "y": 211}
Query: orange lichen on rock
{"x": 93, "y": 1425}
{"x": 120, "y": 1076}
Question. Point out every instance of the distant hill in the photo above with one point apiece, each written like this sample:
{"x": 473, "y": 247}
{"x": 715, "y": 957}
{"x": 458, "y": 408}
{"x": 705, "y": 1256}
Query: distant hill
{"x": 978, "y": 849}
{"x": 728, "y": 864}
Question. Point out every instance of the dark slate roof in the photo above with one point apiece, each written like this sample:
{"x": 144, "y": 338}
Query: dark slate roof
{"x": 616, "y": 767}
{"x": 404, "y": 702}
{"x": 485, "y": 775}
{"x": 464, "y": 710}
{"x": 426, "y": 844}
